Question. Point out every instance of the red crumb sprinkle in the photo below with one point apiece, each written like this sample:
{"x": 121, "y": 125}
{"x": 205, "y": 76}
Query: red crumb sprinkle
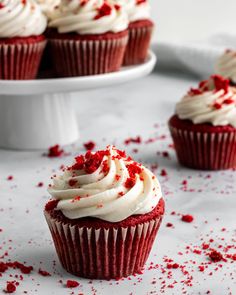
{"x": 55, "y": 151}
{"x": 44, "y": 273}
{"x": 172, "y": 266}
{"x": 89, "y": 146}
{"x": 217, "y": 105}
{"x": 40, "y": 184}
{"x": 187, "y": 218}
{"x": 163, "y": 172}
{"x": 3, "y": 267}
{"x": 104, "y": 10}
{"x": 10, "y": 287}
{"x": 51, "y": 205}
{"x": 169, "y": 224}
{"x": 215, "y": 256}
{"x": 130, "y": 182}
{"x": 72, "y": 284}
{"x": 10, "y": 177}
{"x": 72, "y": 182}
{"x": 136, "y": 140}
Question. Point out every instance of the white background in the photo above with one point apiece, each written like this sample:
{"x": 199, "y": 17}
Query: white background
{"x": 193, "y": 19}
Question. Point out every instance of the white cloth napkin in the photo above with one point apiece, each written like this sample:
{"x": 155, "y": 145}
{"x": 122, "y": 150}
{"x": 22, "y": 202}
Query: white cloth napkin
{"x": 197, "y": 58}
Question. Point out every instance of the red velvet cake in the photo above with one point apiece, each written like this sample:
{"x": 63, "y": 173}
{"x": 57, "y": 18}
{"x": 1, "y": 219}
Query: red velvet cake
{"x": 105, "y": 214}
{"x": 204, "y": 127}
{"x": 140, "y": 34}
{"x": 20, "y": 57}
{"x": 88, "y": 38}
{"x": 22, "y": 24}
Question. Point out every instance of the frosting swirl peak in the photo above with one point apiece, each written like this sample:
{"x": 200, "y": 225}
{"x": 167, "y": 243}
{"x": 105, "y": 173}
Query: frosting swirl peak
{"x": 21, "y": 19}
{"x": 226, "y": 65}
{"x": 214, "y": 101}
{"x": 107, "y": 185}
{"x": 89, "y": 17}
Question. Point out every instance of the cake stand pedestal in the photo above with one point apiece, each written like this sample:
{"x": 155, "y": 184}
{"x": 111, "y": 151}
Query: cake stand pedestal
{"x": 36, "y": 114}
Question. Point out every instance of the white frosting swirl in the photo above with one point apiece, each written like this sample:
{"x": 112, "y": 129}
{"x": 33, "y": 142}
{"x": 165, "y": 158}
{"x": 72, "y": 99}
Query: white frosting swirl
{"x": 82, "y": 17}
{"x": 136, "y": 10}
{"x": 48, "y": 6}
{"x": 106, "y": 195}
{"x": 217, "y": 107}
{"x": 226, "y": 65}
{"x": 21, "y": 19}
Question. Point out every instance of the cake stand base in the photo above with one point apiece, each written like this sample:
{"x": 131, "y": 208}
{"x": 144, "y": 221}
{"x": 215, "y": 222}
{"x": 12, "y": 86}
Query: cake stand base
{"x": 37, "y": 121}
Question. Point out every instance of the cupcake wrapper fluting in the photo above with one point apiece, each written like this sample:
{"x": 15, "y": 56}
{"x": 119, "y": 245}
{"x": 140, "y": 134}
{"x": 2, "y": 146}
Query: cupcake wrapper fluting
{"x": 103, "y": 253}
{"x": 138, "y": 45}
{"x": 204, "y": 150}
{"x": 20, "y": 61}
{"x": 87, "y": 57}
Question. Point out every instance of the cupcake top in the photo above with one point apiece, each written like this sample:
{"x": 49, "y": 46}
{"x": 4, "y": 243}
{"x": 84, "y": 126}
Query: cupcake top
{"x": 21, "y": 19}
{"x": 48, "y": 6}
{"x": 89, "y": 17}
{"x": 136, "y": 9}
{"x": 106, "y": 184}
{"x": 214, "y": 102}
{"x": 226, "y": 65}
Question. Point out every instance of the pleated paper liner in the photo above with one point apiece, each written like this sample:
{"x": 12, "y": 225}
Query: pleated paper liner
{"x": 75, "y": 57}
{"x": 20, "y": 61}
{"x": 140, "y": 34}
{"x": 103, "y": 253}
{"x": 205, "y": 150}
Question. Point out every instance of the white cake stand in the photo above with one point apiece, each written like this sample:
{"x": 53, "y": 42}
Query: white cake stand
{"x": 36, "y": 114}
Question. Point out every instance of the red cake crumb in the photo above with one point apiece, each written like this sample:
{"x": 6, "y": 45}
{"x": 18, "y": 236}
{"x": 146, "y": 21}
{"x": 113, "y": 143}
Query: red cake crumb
{"x": 72, "y": 284}
{"x": 163, "y": 172}
{"x": 136, "y": 140}
{"x": 3, "y": 267}
{"x": 44, "y": 273}
{"x": 215, "y": 256}
{"x": 187, "y": 218}
{"x": 104, "y": 10}
{"x": 10, "y": 177}
{"x": 10, "y": 287}
{"x": 55, "y": 151}
{"x": 40, "y": 184}
{"x": 89, "y": 146}
{"x": 72, "y": 182}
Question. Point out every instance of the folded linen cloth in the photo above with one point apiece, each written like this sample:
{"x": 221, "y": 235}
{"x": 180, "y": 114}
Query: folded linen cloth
{"x": 197, "y": 58}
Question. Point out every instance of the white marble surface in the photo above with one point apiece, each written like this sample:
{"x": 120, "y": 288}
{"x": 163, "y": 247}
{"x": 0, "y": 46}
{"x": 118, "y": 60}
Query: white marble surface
{"x": 110, "y": 116}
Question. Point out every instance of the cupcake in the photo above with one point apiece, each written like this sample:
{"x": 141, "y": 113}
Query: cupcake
{"x": 204, "y": 126}
{"x": 226, "y": 66}
{"x": 105, "y": 214}
{"x": 140, "y": 30}
{"x": 22, "y": 24}
{"x": 88, "y": 37}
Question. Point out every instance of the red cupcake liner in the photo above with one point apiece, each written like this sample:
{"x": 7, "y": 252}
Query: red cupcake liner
{"x": 139, "y": 43}
{"x": 20, "y": 61}
{"x": 205, "y": 150}
{"x": 74, "y": 57}
{"x": 103, "y": 253}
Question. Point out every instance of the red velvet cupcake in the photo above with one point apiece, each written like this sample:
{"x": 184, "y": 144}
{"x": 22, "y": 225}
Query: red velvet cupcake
{"x": 204, "y": 127}
{"x": 140, "y": 31}
{"x": 22, "y": 43}
{"x": 88, "y": 39}
{"x": 105, "y": 215}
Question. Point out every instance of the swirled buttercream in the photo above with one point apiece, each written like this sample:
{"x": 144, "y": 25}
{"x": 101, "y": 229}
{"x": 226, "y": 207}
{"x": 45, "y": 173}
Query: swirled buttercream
{"x": 89, "y": 17}
{"x": 48, "y": 6}
{"x": 107, "y": 185}
{"x": 21, "y": 19}
{"x": 226, "y": 65}
{"x": 213, "y": 102}
{"x": 136, "y": 9}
